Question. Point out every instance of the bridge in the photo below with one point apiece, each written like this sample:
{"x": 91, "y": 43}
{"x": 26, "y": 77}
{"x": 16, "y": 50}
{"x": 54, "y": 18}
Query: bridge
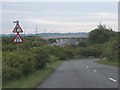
{"x": 63, "y": 40}
{"x": 64, "y": 37}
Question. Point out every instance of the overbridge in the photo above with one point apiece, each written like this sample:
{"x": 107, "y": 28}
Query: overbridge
{"x": 66, "y": 39}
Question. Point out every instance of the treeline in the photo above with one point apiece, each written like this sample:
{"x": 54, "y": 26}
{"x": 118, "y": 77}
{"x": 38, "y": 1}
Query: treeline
{"x": 29, "y": 42}
{"x": 103, "y": 43}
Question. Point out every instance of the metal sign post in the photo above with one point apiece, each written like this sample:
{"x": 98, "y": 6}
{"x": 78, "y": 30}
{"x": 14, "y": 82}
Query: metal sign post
{"x": 18, "y": 39}
{"x": 17, "y": 46}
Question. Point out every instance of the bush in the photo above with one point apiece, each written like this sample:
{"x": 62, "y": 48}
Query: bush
{"x": 89, "y": 51}
{"x": 16, "y": 64}
{"x": 95, "y": 50}
{"x": 84, "y": 43}
{"x": 70, "y": 51}
{"x": 111, "y": 50}
{"x": 8, "y": 47}
{"x": 10, "y": 73}
{"x": 20, "y": 63}
{"x": 40, "y": 56}
{"x": 53, "y": 58}
{"x": 63, "y": 53}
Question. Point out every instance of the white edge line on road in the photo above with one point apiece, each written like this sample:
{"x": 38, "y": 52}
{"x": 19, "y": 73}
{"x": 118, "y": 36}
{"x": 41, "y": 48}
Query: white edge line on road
{"x": 87, "y": 67}
{"x": 95, "y": 70}
{"x": 112, "y": 79}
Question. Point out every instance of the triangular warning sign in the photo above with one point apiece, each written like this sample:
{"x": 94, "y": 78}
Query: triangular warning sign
{"x": 18, "y": 39}
{"x": 17, "y": 29}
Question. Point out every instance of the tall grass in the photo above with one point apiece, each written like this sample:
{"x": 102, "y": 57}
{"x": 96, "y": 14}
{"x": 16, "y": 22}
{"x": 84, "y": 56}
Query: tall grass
{"x": 108, "y": 62}
{"x": 34, "y": 79}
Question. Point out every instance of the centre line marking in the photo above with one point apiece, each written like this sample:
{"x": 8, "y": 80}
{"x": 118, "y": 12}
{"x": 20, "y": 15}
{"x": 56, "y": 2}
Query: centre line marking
{"x": 87, "y": 67}
{"x": 95, "y": 70}
{"x": 112, "y": 79}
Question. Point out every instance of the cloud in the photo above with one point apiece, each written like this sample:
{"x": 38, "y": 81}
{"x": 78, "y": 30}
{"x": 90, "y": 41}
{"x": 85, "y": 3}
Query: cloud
{"x": 16, "y": 12}
{"x": 52, "y": 22}
{"x": 57, "y": 25}
{"x": 61, "y": 17}
{"x": 60, "y": 1}
{"x": 87, "y": 18}
{"x": 106, "y": 16}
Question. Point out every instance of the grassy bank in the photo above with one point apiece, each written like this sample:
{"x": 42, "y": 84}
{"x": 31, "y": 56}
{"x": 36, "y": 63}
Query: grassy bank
{"x": 107, "y": 62}
{"x": 34, "y": 79}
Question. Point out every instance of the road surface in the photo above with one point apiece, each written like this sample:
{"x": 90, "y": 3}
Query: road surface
{"x": 82, "y": 74}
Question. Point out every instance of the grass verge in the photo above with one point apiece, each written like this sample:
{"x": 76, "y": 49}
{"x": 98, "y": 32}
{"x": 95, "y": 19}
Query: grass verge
{"x": 34, "y": 79}
{"x": 107, "y": 62}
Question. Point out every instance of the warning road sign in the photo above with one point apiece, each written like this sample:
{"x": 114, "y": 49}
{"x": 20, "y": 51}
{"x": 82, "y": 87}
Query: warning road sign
{"x": 18, "y": 39}
{"x": 17, "y": 29}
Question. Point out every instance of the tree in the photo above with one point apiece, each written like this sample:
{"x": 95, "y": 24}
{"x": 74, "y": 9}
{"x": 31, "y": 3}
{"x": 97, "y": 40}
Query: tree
{"x": 84, "y": 43}
{"x": 100, "y": 35}
{"x": 110, "y": 49}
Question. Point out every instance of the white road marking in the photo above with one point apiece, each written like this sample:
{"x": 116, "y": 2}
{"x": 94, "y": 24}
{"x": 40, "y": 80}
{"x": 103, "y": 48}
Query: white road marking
{"x": 95, "y": 70}
{"x": 112, "y": 79}
{"x": 87, "y": 67}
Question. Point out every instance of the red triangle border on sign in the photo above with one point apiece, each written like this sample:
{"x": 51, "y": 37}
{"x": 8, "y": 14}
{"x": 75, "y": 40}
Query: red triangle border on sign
{"x": 20, "y": 38}
{"x": 14, "y": 30}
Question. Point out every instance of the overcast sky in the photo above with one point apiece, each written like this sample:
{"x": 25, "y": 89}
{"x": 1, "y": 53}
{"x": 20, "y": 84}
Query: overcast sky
{"x": 59, "y": 16}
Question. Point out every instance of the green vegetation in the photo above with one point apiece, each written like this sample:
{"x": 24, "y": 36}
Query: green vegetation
{"x": 103, "y": 43}
{"x": 19, "y": 63}
{"x": 32, "y": 57}
{"x": 110, "y": 49}
{"x": 100, "y": 34}
{"x": 34, "y": 79}
{"x": 107, "y": 62}
{"x": 35, "y": 55}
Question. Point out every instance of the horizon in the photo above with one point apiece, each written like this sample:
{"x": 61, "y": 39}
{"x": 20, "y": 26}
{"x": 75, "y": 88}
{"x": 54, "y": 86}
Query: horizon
{"x": 48, "y": 33}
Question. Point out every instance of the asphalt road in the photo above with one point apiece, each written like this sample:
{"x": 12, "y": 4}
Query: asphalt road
{"x": 82, "y": 74}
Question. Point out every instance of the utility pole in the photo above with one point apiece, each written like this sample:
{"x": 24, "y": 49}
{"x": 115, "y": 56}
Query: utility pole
{"x": 45, "y": 31}
{"x": 36, "y": 33}
{"x": 100, "y": 22}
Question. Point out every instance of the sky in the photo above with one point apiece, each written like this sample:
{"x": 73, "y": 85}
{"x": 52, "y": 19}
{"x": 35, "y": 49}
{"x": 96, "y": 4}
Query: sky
{"x": 58, "y": 17}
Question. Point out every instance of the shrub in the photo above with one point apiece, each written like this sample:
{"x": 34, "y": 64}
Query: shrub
{"x": 17, "y": 64}
{"x": 111, "y": 50}
{"x": 40, "y": 56}
{"x": 52, "y": 58}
